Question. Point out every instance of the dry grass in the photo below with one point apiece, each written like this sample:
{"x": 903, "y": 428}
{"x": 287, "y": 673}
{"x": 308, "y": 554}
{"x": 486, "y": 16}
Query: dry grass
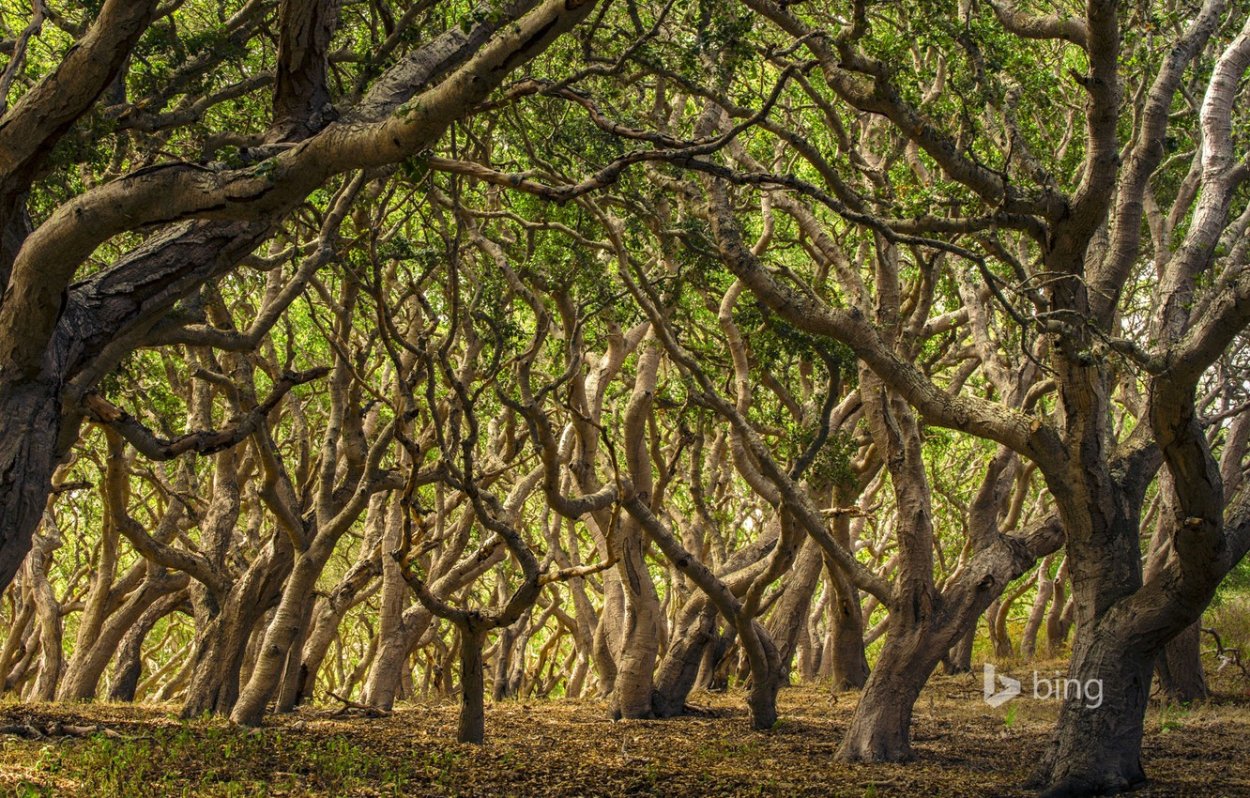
{"x": 569, "y": 748}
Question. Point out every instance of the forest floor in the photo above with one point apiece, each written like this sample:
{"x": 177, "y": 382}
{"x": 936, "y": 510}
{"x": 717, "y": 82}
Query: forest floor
{"x": 569, "y": 748}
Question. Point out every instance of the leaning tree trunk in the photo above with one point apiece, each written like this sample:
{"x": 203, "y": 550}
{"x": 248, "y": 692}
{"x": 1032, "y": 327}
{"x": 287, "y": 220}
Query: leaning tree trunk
{"x": 385, "y": 680}
{"x": 1059, "y": 619}
{"x": 880, "y": 730}
{"x": 922, "y": 630}
{"x": 82, "y": 677}
{"x": 14, "y": 649}
{"x": 1000, "y": 636}
{"x": 679, "y": 668}
{"x": 789, "y": 617}
{"x": 294, "y": 674}
{"x": 221, "y": 644}
{"x": 217, "y": 661}
{"x": 358, "y": 585}
{"x": 129, "y": 665}
{"x": 278, "y": 640}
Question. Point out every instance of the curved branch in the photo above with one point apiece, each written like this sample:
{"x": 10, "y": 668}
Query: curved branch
{"x": 200, "y": 442}
{"x": 1036, "y": 26}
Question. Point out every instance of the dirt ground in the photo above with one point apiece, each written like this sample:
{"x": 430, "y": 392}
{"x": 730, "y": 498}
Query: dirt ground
{"x": 570, "y": 748}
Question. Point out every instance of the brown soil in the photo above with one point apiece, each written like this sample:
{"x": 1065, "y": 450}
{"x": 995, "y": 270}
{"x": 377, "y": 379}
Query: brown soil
{"x": 569, "y": 748}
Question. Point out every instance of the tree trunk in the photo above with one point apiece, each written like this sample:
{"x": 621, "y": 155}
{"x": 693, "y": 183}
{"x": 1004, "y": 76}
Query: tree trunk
{"x": 641, "y": 633}
{"x": 607, "y": 631}
{"x": 31, "y": 446}
{"x": 639, "y": 644}
{"x": 959, "y": 658}
{"x": 129, "y": 666}
{"x": 789, "y": 617}
{"x": 382, "y": 688}
{"x": 48, "y": 615}
{"x": 1096, "y": 750}
{"x": 398, "y": 627}
{"x": 505, "y": 683}
{"x": 680, "y": 666}
{"x": 766, "y": 676}
{"x": 880, "y": 730}
{"x": 82, "y": 677}
{"x": 846, "y": 660}
{"x": 15, "y": 650}
{"x": 1045, "y": 590}
{"x": 1059, "y": 619}
{"x": 472, "y": 728}
{"x": 216, "y": 664}
{"x": 1000, "y": 636}
{"x": 278, "y": 639}
{"x": 94, "y": 643}
{"x": 222, "y": 641}
{"x": 810, "y": 647}
{"x": 294, "y": 674}
{"x": 1179, "y": 667}
{"x": 327, "y": 616}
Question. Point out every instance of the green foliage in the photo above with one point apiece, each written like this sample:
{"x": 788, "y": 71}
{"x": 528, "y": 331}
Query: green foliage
{"x": 1010, "y": 714}
{"x": 209, "y": 759}
{"x": 774, "y": 340}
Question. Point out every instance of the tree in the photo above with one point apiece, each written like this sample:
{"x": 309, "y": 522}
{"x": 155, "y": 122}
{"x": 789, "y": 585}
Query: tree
{"x": 61, "y": 336}
{"x": 602, "y": 340}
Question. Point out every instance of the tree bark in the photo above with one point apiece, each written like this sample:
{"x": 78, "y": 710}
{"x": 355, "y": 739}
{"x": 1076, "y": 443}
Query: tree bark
{"x": 880, "y": 729}
{"x": 1179, "y": 667}
{"x": 1045, "y": 591}
{"x": 129, "y": 665}
{"x": 82, "y": 677}
{"x": 639, "y": 644}
{"x": 357, "y": 585}
{"x": 1098, "y": 750}
{"x": 224, "y": 634}
{"x": 278, "y": 640}
{"x": 789, "y": 616}
{"x": 472, "y": 725}
{"x": 679, "y": 668}
{"x": 844, "y": 656}
{"x": 31, "y": 447}
{"x": 959, "y": 658}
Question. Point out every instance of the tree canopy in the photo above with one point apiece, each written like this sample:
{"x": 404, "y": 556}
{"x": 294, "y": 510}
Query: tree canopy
{"x": 622, "y": 348}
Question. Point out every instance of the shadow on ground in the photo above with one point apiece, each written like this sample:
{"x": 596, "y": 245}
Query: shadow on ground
{"x": 569, "y": 748}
